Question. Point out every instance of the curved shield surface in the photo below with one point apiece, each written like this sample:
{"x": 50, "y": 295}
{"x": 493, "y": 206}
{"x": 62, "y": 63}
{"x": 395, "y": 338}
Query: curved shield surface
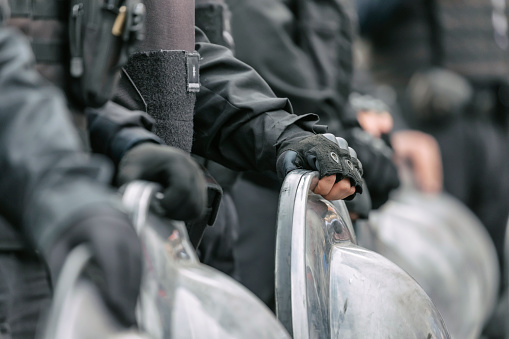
{"x": 328, "y": 287}
{"x": 442, "y": 245}
{"x": 182, "y": 298}
{"x": 78, "y": 311}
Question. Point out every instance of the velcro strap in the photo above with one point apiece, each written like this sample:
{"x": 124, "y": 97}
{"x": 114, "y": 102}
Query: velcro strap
{"x": 48, "y": 51}
{"x": 167, "y": 81}
{"x": 38, "y": 9}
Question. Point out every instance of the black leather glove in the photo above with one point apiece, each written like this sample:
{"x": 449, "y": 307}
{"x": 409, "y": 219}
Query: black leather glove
{"x": 116, "y": 253}
{"x": 320, "y": 154}
{"x": 185, "y": 189}
{"x": 380, "y": 172}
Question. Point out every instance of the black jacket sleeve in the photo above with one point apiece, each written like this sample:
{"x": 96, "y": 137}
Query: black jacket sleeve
{"x": 47, "y": 182}
{"x": 114, "y": 129}
{"x": 239, "y": 122}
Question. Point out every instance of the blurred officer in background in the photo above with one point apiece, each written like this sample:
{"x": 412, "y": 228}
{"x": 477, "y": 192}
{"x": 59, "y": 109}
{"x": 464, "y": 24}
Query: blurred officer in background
{"x": 448, "y": 62}
{"x": 303, "y": 49}
{"x": 53, "y": 197}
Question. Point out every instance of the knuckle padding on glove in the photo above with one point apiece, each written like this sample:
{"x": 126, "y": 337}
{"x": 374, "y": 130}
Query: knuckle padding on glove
{"x": 318, "y": 153}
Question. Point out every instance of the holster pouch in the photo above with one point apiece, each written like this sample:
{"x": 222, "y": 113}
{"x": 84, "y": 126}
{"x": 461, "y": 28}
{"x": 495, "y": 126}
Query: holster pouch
{"x": 167, "y": 82}
{"x": 213, "y": 18}
{"x": 101, "y": 37}
{"x": 196, "y": 228}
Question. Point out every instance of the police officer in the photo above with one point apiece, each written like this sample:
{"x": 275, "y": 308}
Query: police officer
{"x": 45, "y": 24}
{"x": 53, "y": 197}
{"x": 303, "y": 49}
{"x": 216, "y": 248}
{"x": 234, "y": 118}
{"x": 456, "y": 70}
{"x": 89, "y": 80}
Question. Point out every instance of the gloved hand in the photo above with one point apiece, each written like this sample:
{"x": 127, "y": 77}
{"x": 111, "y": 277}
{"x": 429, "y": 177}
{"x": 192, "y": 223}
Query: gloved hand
{"x": 340, "y": 174}
{"x": 380, "y": 171}
{"x": 185, "y": 189}
{"x": 116, "y": 253}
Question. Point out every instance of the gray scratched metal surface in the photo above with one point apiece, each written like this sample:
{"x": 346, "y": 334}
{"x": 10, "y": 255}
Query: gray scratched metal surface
{"x": 328, "y": 287}
{"x": 441, "y": 244}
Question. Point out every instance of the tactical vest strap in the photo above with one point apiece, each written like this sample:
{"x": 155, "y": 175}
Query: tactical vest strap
{"x": 48, "y": 51}
{"x": 168, "y": 82}
{"x": 38, "y": 9}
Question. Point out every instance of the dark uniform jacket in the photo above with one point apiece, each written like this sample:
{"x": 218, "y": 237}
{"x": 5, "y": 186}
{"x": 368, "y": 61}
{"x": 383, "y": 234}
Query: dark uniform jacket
{"x": 237, "y": 119}
{"x": 47, "y": 182}
{"x": 303, "y": 49}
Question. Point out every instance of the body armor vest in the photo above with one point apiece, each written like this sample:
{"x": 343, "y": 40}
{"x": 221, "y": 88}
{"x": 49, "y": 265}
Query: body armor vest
{"x": 463, "y": 36}
{"x": 45, "y": 25}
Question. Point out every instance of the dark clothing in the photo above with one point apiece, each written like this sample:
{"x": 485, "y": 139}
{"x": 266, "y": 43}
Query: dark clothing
{"x": 217, "y": 245}
{"x": 213, "y": 18}
{"x": 460, "y": 36}
{"x": 303, "y": 49}
{"x": 372, "y": 14}
{"x": 113, "y": 130}
{"x": 49, "y": 180}
{"x": 473, "y": 147}
{"x": 255, "y": 247}
{"x": 48, "y": 183}
{"x": 25, "y": 294}
{"x": 237, "y": 118}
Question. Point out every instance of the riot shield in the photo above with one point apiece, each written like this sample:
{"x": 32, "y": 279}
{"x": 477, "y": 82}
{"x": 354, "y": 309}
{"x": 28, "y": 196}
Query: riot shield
{"x": 328, "y": 287}
{"x": 442, "y": 245}
{"x": 77, "y": 310}
{"x": 180, "y": 298}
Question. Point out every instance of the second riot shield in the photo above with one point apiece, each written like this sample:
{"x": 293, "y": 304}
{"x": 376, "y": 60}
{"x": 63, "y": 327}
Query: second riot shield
{"x": 445, "y": 248}
{"x": 328, "y": 287}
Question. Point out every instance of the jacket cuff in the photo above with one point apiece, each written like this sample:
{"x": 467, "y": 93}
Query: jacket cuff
{"x": 127, "y": 138}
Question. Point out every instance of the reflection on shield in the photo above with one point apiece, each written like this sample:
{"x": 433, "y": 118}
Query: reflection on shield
{"x": 328, "y": 287}
{"x": 180, "y": 298}
{"x": 441, "y": 244}
{"x": 77, "y": 311}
